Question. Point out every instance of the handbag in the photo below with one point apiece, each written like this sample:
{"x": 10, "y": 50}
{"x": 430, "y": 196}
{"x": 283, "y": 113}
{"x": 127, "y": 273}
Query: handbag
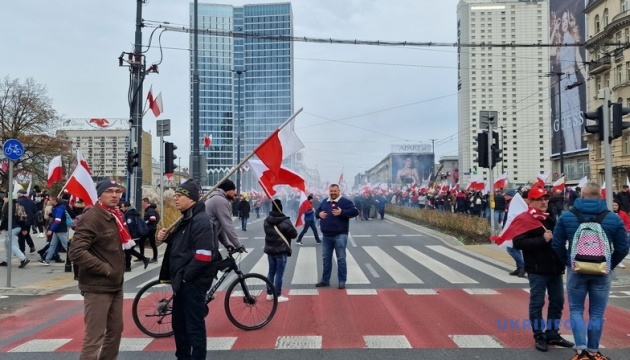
{"x": 283, "y": 238}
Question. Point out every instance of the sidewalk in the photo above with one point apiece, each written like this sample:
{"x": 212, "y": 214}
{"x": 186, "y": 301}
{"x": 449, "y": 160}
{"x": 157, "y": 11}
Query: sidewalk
{"x": 37, "y": 279}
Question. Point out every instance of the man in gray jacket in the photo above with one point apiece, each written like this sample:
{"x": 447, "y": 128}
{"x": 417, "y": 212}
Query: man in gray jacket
{"x": 219, "y": 209}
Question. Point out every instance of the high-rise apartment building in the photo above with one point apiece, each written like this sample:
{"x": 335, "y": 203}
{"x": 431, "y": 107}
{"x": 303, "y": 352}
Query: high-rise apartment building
{"x": 246, "y": 80}
{"x": 510, "y": 80}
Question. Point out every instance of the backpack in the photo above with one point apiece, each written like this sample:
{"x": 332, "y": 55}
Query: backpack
{"x": 20, "y": 213}
{"x": 137, "y": 227}
{"x": 68, "y": 219}
{"x": 590, "y": 247}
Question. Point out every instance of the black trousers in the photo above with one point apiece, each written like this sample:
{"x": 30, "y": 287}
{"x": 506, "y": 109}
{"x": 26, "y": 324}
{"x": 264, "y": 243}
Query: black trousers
{"x": 25, "y": 239}
{"x": 189, "y": 308}
{"x": 151, "y": 237}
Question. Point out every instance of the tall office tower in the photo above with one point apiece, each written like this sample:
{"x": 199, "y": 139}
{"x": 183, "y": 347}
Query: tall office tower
{"x": 510, "y": 80}
{"x": 246, "y": 81}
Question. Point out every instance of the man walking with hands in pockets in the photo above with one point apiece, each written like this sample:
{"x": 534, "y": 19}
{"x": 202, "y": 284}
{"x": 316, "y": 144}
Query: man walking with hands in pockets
{"x": 335, "y": 213}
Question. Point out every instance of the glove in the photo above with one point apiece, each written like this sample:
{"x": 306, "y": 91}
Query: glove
{"x": 241, "y": 249}
{"x": 230, "y": 249}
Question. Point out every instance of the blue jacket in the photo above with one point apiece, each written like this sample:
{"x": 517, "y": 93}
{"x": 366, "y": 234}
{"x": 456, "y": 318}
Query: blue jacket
{"x": 336, "y": 225}
{"x": 59, "y": 219}
{"x": 568, "y": 224}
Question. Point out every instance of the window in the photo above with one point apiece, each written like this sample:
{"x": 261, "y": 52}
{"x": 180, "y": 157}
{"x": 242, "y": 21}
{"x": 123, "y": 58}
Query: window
{"x": 626, "y": 144}
{"x": 624, "y": 5}
{"x": 605, "y": 17}
{"x": 619, "y": 75}
{"x": 597, "y": 26}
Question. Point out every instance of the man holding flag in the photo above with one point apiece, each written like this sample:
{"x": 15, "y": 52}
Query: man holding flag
{"x": 531, "y": 232}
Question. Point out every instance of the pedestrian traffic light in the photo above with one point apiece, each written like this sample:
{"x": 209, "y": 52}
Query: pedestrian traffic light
{"x": 598, "y": 116}
{"x": 482, "y": 149}
{"x": 495, "y": 150}
{"x": 169, "y": 157}
{"x": 618, "y": 126}
{"x": 474, "y": 170}
{"x": 132, "y": 161}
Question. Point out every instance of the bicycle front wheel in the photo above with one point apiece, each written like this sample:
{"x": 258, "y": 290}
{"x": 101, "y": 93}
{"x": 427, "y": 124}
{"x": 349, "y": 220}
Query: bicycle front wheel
{"x": 246, "y": 303}
{"x": 152, "y": 309}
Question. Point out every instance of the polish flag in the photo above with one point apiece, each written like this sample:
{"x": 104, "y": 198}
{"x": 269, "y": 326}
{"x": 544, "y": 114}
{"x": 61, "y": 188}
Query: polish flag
{"x": 583, "y": 182}
{"x": 155, "y": 104}
{"x": 281, "y": 144}
{"x": 541, "y": 180}
{"x": 340, "y": 177}
{"x": 518, "y": 221}
{"x": 305, "y": 205}
{"x": 603, "y": 191}
{"x": 558, "y": 185}
{"x": 207, "y": 141}
{"x": 476, "y": 185}
{"x": 55, "y": 171}
{"x": 501, "y": 181}
{"x": 82, "y": 186}
{"x": 81, "y": 160}
{"x": 284, "y": 177}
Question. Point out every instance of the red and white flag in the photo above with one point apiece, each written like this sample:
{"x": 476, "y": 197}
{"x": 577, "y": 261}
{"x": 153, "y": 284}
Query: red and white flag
{"x": 281, "y": 144}
{"x": 305, "y": 205}
{"x": 340, "y": 178}
{"x": 207, "y": 141}
{"x": 81, "y": 161}
{"x": 603, "y": 191}
{"x": 583, "y": 182}
{"x": 155, "y": 104}
{"x": 517, "y": 207}
{"x": 558, "y": 185}
{"x": 541, "y": 180}
{"x": 55, "y": 171}
{"x": 82, "y": 186}
{"x": 501, "y": 181}
{"x": 476, "y": 185}
{"x": 284, "y": 177}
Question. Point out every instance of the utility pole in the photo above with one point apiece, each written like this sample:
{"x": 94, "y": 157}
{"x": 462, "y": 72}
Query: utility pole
{"x": 195, "y": 164}
{"x": 607, "y": 149}
{"x": 137, "y": 75}
{"x": 239, "y": 129}
{"x": 491, "y": 121}
{"x": 433, "y": 148}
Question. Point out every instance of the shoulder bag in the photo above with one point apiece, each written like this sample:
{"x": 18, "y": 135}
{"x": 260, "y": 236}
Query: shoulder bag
{"x": 285, "y": 240}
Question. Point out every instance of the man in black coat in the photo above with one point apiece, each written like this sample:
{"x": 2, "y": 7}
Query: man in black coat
{"x": 24, "y": 237}
{"x": 624, "y": 198}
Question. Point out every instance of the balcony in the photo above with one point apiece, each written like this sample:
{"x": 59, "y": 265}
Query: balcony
{"x": 620, "y": 15}
{"x": 600, "y": 65}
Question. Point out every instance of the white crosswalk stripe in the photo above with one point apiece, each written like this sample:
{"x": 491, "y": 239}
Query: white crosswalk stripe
{"x": 448, "y": 274}
{"x": 398, "y": 272}
{"x": 305, "y": 267}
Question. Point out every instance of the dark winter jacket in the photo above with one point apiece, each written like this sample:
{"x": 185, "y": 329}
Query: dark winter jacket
{"x": 538, "y": 255}
{"x": 59, "y": 224}
{"x": 131, "y": 216}
{"x": 274, "y": 245}
{"x": 192, "y": 251}
{"x": 499, "y": 202}
{"x": 624, "y": 200}
{"x": 556, "y": 204}
{"x": 152, "y": 217}
{"x": 31, "y": 210}
{"x": 336, "y": 225}
{"x": 589, "y": 208}
{"x": 244, "y": 209}
{"x": 5, "y": 217}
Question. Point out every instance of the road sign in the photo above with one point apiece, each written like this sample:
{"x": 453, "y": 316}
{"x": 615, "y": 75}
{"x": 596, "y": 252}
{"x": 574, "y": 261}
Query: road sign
{"x": 164, "y": 127}
{"x": 487, "y": 117}
{"x": 13, "y": 149}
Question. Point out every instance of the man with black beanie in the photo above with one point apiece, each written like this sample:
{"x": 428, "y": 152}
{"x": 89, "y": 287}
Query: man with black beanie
{"x": 219, "y": 209}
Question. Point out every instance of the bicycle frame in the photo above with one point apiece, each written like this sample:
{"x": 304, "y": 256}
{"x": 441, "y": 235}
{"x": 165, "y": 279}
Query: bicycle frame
{"x": 229, "y": 266}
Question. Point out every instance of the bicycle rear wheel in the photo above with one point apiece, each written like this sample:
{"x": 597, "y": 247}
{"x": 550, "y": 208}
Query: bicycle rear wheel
{"x": 152, "y": 309}
{"x": 246, "y": 303}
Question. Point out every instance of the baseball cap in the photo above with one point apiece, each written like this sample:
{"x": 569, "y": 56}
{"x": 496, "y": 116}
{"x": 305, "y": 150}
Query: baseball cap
{"x": 536, "y": 193}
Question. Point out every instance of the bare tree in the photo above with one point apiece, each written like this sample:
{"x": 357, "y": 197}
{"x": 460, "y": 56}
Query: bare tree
{"x": 26, "y": 114}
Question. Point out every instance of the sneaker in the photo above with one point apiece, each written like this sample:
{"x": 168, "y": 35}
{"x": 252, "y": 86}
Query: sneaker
{"x": 299, "y": 243}
{"x": 541, "y": 344}
{"x": 23, "y": 263}
{"x": 41, "y": 235}
{"x": 522, "y": 273}
{"x": 559, "y": 341}
{"x": 146, "y": 262}
{"x": 342, "y": 286}
{"x": 43, "y": 262}
{"x": 60, "y": 260}
{"x": 269, "y": 297}
{"x": 515, "y": 272}
{"x": 599, "y": 356}
{"x": 621, "y": 266}
{"x": 153, "y": 260}
{"x": 282, "y": 299}
{"x": 583, "y": 355}
{"x": 322, "y": 284}
{"x": 33, "y": 249}
{"x": 4, "y": 263}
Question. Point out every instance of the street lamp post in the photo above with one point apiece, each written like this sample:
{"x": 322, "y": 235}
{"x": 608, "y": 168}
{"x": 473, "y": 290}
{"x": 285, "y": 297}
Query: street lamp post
{"x": 239, "y": 130}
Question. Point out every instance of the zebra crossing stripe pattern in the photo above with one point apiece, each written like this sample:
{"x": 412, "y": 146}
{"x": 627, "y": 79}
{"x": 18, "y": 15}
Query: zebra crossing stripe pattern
{"x": 447, "y": 273}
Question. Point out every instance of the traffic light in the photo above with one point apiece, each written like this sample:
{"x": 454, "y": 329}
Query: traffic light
{"x": 482, "y": 149}
{"x": 618, "y": 126}
{"x": 169, "y": 157}
{"x": 495, "y": 150}
{"x": 598, "y": 116}
{"x": 132, "y": 161}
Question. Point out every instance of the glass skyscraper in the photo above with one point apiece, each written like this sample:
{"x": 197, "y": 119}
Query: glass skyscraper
{"x": 245, "y": 73}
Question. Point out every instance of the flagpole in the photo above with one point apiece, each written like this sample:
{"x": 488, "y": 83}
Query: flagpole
{"x": 237, "y": 167}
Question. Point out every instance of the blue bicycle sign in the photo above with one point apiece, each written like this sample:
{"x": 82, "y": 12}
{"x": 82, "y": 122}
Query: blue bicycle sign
{"x": 13, "y": 149}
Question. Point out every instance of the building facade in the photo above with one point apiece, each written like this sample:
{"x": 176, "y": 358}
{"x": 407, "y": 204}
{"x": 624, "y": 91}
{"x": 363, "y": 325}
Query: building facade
{"x": 104, "y": 144}
{"x": 608, "y": 67}
{"x": 510, "y": 80}
{"x": 246, "y": 80}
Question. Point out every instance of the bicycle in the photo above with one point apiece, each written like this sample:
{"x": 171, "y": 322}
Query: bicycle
{"x": 245, "y": 303}
{"x": 13, "y": 149}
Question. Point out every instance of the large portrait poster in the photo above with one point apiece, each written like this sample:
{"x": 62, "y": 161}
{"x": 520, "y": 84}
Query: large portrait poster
{"x": 411, "y": 168}
{"x": 568, "y": 74}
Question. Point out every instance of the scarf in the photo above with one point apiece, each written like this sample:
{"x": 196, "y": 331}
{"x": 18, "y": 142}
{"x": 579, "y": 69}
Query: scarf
{"x": 123, "y": 233}
{"x": 537, "y": 214}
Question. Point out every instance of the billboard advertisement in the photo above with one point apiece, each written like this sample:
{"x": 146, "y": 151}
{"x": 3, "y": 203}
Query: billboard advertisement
{"x": 568, "y": 75}
{"x": 411, "y": 168}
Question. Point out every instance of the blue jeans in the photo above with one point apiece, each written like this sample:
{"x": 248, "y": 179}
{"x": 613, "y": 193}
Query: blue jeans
{"x": 189, "y": 307}
{"x": 517, "y": 256}
{"x": 597, "y": 287}
{"x": 498, "y": 218}
{"x": 12, "y": 242}
{"x": 552, "y": 285}
{"x": 277, "y": 264}
{"x": 244, "y": 223}
{"x": 338, "y": 243}
{"x": 56, "y": 238}
{"x": 309, "y": 225}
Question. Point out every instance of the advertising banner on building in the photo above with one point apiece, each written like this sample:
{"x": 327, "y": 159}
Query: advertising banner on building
{"x": 568, "y": 74}
{"x": 411, "y": 168}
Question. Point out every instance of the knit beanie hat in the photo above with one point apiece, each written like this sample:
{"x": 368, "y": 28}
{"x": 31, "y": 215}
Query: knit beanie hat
{"x": 510, "y": 192}
{"x": 227, "y": 185}
{"x": 277, "y": 205}
{"x": 189, "y": 189}
{"x": 105, "y": 184}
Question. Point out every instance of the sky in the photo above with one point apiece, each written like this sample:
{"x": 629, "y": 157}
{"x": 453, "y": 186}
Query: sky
{"x": 358, "y": 100}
